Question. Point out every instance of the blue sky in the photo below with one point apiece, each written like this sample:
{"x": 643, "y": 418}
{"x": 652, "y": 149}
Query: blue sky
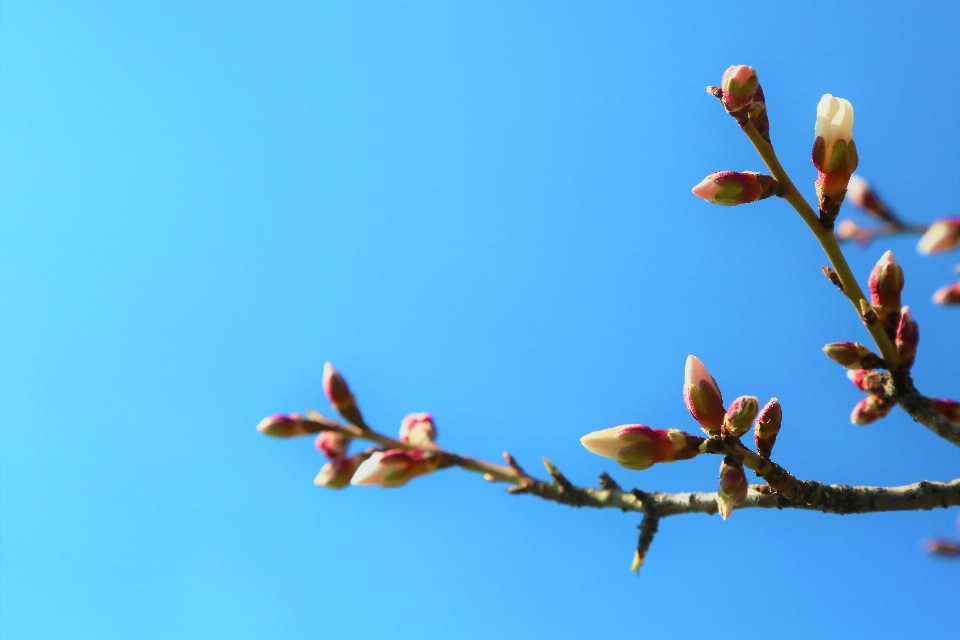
{"x": 479, "y": 210}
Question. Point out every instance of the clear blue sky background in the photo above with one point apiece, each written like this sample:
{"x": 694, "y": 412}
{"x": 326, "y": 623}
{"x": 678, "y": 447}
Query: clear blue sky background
{"x": 479, "y": 210}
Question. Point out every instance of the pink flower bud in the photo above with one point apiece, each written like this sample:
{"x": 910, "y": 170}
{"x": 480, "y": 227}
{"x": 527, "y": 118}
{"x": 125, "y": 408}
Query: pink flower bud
{"x": 886, "y": 282}
{"x": 394, "y": 468}
{"x": 851, "y": 355}
{"x": 702, "y": 396}
{"x": 908, "y": 337}
{"x": 948, "y": 295}
{"x": 637, "y": 447}
{"x": 860, "y": 193}
{"x": 419, "y": 430}
{"x": 848, "y": 230}
{"x": 286, "y": 426}
{"x": 768, "y": 427}
{"x": 740, "y": 85}
{"x": 335, "y": 387}
{"x": 867, "y": 380}
{"x": 949, "y": 409}
{"x": 337, "y": 473}
{"x": 870, "y": 409}
{"x": 942, "y": 235}
{"x": 333, "y": 444}
{"x": 834, "y": 155}
{"x": 733, "y": 486}
{"x": 729, "y": 188}
{"x": 943, "y": 548}
{"x": 740, "y": 416}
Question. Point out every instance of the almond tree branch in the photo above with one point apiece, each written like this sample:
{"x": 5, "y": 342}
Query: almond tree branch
{"x": 825, "y": 237}
{"x": 791, "y": 492}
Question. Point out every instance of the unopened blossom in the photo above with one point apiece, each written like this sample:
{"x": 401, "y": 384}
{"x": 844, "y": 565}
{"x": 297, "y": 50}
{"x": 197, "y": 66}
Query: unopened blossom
{"x": 395, "y": 467}
{"x": 285, "y": 426}
{"x": 867, "y": 380}
{"x": 732, "y": 490}
{"x": 834, "y": 154}
{"x": 886, "y": 282}
{"x": 949, "y": 294}
{"x": 730, "y": 188}
{"x": 941, "y": 236}
{"x": 767, "y": 427}
{"x": 338, "y": 472}
{"x": 739, "y": 84}
{"x": 418, "y": 429}
{"x": 907, "y": 338}
{"x": 338, "y": 392}
{"x": 638, "y": 447}
{"x": 849, "y": 230}
{"x": 702, "y": 396}
{"x": 740, "y": 415}
{"x": 870, "y": 409}
{"x": 333, "y": 444}
{"x": 860, "y": 193}
{"x": 851, "y": 355}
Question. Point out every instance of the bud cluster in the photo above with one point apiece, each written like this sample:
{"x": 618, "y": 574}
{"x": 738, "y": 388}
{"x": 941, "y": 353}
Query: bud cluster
{"x": 877, "y": 404}
{"x": 638, "y": 447}
{"x": 730, "y": 188}
{"x": 834, "y": 155}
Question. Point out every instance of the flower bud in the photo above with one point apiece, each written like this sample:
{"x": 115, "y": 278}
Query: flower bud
{"x": 949, "y": 409}
{"x": 851, "y": 355}
{"x": 886, "y": 282}
{"x": 638, "y": 447}
{"x": 870, "y": 409}
{"x": 908, "y": 337}
{"x": 834, "y": 154}
{"x": 941, "y": 236}
{"x": 740, "y": 416}
{"x": 948, "y": 295}
{"x": 286, "y": 426}
{"x": 337, "y": 473}
{"x": 860, "y": 193}
{"x": 849, "y": 230}
{"x": 338, "y": 392}
{"x": 946, "y": 548}
{"x": 730, "y": 188}
{"x": 739, "y": 84}
{"x": 868, "y": 381}
{"x": 702, "y": 396}
{"x": 733, "y": 486}
{"x": 768, "y": 427}
{"x": 395, "y": 467}
{"x": 333, "y": 444}
{"x": 419, "y": 430}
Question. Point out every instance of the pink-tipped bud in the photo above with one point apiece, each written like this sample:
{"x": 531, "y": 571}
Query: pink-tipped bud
{"x": 638, "y": 447}
{"x": 419, "y": 430}
{"x": 332, "y": 444}
{"x": 908, "y": 337}
{"x": 732, "y": 491}
{"x": 870, "y": 409}
{"x": 335, "y": 387}
{"x": 849, "y": 230}
{"x": 943, "y": 548}
{"x": 948, "y": 295}
{"x": 867, "y": 380}
{"x": 942, "y": 235}
{"x": 338, "y": 393}
{"x": 286, "y": 426}
{"x": 834, "y": 154}
{"x": 740, "y": 85}
{"x": 860, "y": 193}
{"x": 702, "y": 397}
{"x": 851, "y": 355}
{"x": 740, "y": 415}
{"x": 886, "y": 282}
{"x": 394, "y": 468}
{"x": 768, "y": 427}
{"x": 949, "y": 409}
{"x": 337, "y": 473}
{"x": 730, "y": 188}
